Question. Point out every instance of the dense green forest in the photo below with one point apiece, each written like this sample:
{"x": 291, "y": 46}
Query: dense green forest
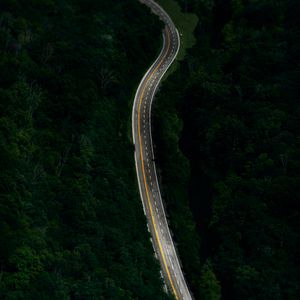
{"x": 71, "y": 220}
{"x": 227, "y": 142}
{"x": 227, "y": 128}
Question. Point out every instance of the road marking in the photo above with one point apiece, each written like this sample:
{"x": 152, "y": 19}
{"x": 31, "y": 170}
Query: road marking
{"x": 145, "y": 181}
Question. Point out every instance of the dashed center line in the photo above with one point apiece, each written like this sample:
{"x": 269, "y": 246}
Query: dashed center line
{"x": 149, "y": 89}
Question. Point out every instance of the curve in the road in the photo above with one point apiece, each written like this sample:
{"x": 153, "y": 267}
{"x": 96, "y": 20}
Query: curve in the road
{"x": 144, "y": 158}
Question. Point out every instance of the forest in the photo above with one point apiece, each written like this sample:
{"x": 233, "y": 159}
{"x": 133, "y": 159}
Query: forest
{"x": 71, "y": 220}
{"x": 226, "y": 133}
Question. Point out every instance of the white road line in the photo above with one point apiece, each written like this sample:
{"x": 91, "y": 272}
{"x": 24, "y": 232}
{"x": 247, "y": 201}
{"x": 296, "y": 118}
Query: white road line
{"x": 149, "y": 89}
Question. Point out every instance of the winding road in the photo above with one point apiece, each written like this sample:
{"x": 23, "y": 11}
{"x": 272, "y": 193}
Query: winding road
{"x": 144, "y": 158}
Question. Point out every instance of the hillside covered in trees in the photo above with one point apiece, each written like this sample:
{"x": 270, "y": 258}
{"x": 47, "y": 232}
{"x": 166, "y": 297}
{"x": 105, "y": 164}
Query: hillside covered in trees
{"x": 227, "y": 141}
{"x": 71, "y": 221}
{"x": 226, "y": 127}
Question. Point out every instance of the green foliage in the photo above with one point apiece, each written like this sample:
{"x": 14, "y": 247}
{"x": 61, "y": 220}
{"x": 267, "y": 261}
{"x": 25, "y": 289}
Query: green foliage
{"x": 209, "y": 284}
{"x": 71, "y": 221}
{"x": 235, "y": 97}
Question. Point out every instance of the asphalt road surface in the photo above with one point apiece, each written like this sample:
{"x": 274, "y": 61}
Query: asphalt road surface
{"x": 144, "y": 159}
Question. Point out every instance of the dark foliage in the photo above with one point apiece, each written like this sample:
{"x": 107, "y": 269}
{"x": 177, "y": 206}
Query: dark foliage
{"x": 232, "y": 109}
{"x": 71, "y": 221}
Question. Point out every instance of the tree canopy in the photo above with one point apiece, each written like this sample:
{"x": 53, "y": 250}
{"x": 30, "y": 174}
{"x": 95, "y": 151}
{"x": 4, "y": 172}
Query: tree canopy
{"x": 71, "y": 221}
{"x": 227, "y": 144}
